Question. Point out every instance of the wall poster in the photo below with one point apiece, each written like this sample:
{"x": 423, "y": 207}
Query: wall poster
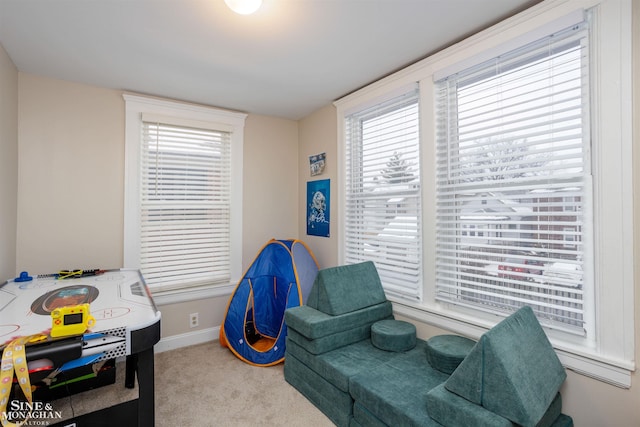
{"x": 318, "y": 197}
{"x": 316, "y": 163}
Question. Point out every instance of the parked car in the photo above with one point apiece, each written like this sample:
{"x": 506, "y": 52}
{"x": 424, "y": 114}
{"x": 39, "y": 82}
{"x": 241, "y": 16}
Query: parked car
{"x": 492, "y": 269}
{"x": 515, "y": 268}
{"x": 569, "y": 274}
{"x": 519, "y": 268}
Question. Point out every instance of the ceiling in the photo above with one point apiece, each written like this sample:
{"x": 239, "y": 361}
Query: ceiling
{"x": 287, "y": 60}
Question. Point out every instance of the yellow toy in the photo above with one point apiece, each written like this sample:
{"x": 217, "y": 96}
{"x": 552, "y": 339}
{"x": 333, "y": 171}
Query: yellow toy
{"x": 71, "y": 320}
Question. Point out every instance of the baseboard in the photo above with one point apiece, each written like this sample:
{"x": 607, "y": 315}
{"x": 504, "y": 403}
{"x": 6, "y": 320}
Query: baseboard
{"x": 190, "y": 338}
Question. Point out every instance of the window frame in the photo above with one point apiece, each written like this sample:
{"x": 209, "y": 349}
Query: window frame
{"x": 188, "y": 115}
{"x": 466, "y": 134}
{"x": 397, "y": 280}
{"x": 608, "y": 355}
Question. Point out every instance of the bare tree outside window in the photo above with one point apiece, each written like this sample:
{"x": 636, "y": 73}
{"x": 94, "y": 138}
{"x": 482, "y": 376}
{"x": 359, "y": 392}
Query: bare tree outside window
{"x": 493, "y": 160}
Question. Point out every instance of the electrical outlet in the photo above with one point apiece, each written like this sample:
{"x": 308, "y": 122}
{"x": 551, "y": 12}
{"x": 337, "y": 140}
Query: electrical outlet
{"x": 193, "y": 320}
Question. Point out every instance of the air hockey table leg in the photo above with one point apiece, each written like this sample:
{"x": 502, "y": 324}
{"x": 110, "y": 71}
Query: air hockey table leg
{"x": 146, "y": 381}
{"x": 142, "y": 364}
{"x": 130, "y": 371}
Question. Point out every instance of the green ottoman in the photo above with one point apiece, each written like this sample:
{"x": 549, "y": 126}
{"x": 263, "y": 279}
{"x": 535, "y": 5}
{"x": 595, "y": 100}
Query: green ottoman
{"x": 393, "y": 335}
{"x": 446, "y": 352}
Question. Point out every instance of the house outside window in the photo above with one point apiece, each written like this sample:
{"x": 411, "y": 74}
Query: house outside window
{"x": 183, "y": 177}
{"x": 513, "y": 148}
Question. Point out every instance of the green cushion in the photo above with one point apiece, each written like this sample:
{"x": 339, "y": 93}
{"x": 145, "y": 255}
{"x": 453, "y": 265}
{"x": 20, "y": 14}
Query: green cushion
{"x": 338, "y": 366}
{"x": 334, "y": 403}
{"x": 451, "y": 410}
{"x": 330, "y": 342}
{"x": 362, "y": 417}
{"x": 563, "y": 421}
{"x": 512, "y": 370}
{"x": 552, "y": 414}
{"x": 315, "y": 324}
{"x": 393, "y": 335}
{"x": 395, "y": 392}
{"x": 446, "y": 352}
{"x": 346, "y": 288}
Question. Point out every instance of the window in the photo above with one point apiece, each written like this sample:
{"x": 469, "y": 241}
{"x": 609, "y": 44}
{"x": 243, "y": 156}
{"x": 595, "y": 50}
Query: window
{"x": 182, "y": 194}
{"x": 382, "y": 195}
{"x": 512, "y": 219}
{"x": 513, "y": 153}
{"x": 184, "y": 205}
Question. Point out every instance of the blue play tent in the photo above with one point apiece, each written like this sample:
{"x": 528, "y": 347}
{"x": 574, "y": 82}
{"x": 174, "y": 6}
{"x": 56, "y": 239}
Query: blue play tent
{"x": 280, "y": 277}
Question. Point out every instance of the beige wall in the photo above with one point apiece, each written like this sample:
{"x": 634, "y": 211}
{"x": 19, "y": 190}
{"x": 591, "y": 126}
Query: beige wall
{"x": 8, "y": 165}
{"x": 270, "y": 187}
{"x": 62, "y": 124}
{"x": 71, "y": 186}
{"x": 175, "y": 318}
{"x": 318, "y": 134}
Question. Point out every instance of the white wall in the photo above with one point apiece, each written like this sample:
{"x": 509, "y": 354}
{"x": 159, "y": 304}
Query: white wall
{"x": 8, "y": 165}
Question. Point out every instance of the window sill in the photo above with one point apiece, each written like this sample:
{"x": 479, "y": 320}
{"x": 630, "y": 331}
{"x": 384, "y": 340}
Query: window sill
{"x": 175, "y": 296}
{"x": 581, "y": 361}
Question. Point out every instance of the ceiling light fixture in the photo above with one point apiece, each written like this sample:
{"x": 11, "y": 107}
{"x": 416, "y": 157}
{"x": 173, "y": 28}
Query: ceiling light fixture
{"x": 244, "y": 7}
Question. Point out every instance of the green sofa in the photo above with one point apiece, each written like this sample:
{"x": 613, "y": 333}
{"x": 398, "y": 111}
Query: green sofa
{"x": 510, "y": 377}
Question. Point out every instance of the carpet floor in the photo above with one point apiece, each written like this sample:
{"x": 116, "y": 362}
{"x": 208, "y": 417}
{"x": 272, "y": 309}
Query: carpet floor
{"x": 205, "y": 385}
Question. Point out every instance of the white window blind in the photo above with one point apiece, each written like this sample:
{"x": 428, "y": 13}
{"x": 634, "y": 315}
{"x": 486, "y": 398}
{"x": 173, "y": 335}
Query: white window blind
{"x": 185, "y": 205}
{"x": 514, "y": 220}
{"x": 382, "y": 197}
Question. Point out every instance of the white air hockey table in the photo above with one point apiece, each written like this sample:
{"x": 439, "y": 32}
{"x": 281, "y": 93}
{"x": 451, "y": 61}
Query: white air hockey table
{"x": 124, "y": 310}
